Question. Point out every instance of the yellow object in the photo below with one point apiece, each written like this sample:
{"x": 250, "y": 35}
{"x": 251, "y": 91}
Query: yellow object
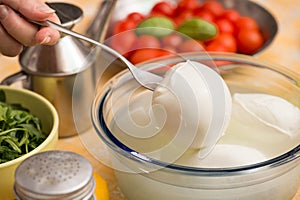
{"x": 101, "y": 189}
{"x": 45, "y": 111}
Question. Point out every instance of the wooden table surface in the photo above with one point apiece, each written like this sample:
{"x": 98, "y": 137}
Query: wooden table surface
{"x": 285, "y": 50}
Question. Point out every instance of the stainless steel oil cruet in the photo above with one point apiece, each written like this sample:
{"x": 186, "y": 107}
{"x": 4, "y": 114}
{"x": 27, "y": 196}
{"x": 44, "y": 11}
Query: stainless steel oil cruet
{"x": 52, "y": 70}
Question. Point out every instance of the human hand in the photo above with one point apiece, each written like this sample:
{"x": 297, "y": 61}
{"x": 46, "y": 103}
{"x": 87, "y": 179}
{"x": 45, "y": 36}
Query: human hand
{"x": 16, "y": 32}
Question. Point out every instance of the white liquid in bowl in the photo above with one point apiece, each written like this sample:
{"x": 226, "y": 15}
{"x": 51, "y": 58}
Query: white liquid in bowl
{"x": 256, "y": 133}
{"x": 246, "y": 141}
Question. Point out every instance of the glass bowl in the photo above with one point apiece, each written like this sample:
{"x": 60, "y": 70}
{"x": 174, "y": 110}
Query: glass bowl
{"x": 141, "y": 176}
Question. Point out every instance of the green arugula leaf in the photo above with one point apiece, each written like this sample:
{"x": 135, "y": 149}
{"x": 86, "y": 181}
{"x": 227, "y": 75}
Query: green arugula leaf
{"x": 20, "y": 131}
{"x": 2, "y": 96}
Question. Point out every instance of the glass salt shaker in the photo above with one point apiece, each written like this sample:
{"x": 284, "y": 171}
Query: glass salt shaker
{"x": 55, "y": 175}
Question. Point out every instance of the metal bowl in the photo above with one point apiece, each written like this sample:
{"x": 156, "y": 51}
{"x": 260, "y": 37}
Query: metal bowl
{"x": 121, "y": 9}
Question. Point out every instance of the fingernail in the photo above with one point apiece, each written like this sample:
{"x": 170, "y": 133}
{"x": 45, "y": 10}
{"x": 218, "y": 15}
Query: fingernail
{"x": 45, "y": 9}
{"x": 46, "y": 40}
{"x": 3, "y": 12}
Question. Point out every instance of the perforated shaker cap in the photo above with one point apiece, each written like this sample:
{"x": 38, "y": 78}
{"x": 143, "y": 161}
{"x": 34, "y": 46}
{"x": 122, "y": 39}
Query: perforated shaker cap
{"x": 54, "y": 175}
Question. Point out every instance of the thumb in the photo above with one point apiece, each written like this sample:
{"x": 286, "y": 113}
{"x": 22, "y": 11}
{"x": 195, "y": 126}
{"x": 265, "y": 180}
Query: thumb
{"x": 33, "y": 9}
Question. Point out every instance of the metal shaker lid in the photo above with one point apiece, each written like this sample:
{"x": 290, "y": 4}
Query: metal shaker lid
{"x": 54, "y": 175}
{"x": 68, "y": 56}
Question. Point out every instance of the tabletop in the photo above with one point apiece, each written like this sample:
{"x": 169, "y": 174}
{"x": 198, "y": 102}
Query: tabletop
{"x": 285, "y": 50}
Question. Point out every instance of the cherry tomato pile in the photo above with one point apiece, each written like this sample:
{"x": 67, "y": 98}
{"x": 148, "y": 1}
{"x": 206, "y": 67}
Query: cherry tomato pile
{"x": 235, "y": 33}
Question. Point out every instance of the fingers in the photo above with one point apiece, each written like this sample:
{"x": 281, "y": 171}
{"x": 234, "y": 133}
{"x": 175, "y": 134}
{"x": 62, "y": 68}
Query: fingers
{"x": 9, "y": 46}
{"x": 47, "y": 36}
{"x": 33, "y": 9}
{"x": 23, "y": 31}
{"x": 16, "y": 31}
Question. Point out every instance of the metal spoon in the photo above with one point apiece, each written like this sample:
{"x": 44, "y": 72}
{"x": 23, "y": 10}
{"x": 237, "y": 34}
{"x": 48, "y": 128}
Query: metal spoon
{"x": 145, "y": 78}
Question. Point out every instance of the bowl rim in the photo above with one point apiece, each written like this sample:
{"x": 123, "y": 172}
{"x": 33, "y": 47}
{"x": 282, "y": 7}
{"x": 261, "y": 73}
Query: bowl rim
{"x": 52, "y": 134}
{"x": 113, "y": 143}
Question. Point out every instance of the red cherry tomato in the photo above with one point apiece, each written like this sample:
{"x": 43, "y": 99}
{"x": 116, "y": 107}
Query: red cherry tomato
{"x": 135, "y": 17}
{"x": 171, "y": 50}
{"x": 163, "y": 8}
{"x": 185, "y": 15}
{"x": 141, "y": 55}
{"x": 216, "y": 45}
{"x": 249, "y": 41}
{"x": 226, "y": 40}
{"x": 204, "y": 14}
{"x": 123, "y": 42}
{"x": 147, "y": 41}
{"x": 171, "y": 41}
{"x": 184, "y": 5}
{"x": 231, "y": 14}
{"x": 246, "y": 23}
{"x": 225, "y": 26}
{"x": 214, "y": 7}
{"x": 124, "y": 25}
{"x": 190, "y": 45}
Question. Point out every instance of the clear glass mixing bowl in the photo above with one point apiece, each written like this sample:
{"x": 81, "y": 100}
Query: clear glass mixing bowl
{"x": 143, "y": 177}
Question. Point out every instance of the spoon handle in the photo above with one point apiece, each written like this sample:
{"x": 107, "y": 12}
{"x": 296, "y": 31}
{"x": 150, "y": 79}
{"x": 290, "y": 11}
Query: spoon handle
{"x": 145, "y": 78}
{"x": 66, "y": 31}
